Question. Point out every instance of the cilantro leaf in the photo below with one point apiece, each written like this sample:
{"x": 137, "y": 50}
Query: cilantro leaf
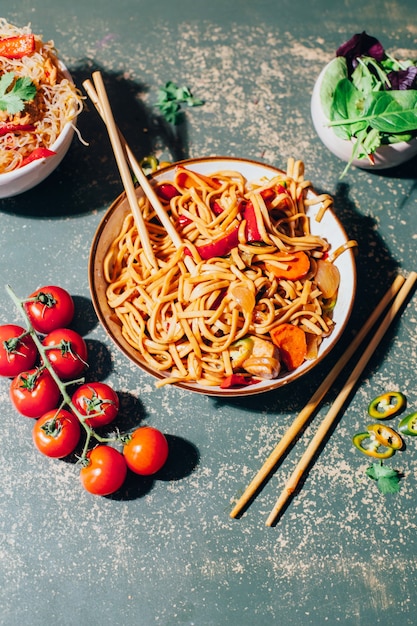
{"x": 13, "y": 99}
{"x": 387, "y": 479}
{"x": 171, "y": 97}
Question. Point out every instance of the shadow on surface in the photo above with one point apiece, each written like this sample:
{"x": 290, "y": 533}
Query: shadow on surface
{"x": 87, "y": 179}
{"x": 182, "y": 459}
{"x": 85, "y": 318}
{"x": 376, "y": 269}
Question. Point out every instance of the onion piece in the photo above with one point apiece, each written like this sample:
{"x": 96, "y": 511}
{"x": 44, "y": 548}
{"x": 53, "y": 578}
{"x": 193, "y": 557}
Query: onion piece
{"x": 327, "y": 278}
{"x": 244, "y": 297}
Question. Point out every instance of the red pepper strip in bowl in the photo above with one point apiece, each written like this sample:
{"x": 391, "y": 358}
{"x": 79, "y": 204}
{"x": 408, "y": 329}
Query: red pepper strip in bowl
{"x": 17, "y": 47}
{"x": 386, "y": 436}
{"x": 221, "y": 247}
{"x": 269, "y": 194}
{"x": 16, "y": 128}
{"x": 369, "y": 445}
{"x": 387, "y": 405}
{"x": 236, "y": 380}
{"x": 408, "y": 425}
{"x": 37, "y": 153}
{"x": 248, "y": 213}
{"x": 167, "y": 191}
{"x": 216, "y": 208}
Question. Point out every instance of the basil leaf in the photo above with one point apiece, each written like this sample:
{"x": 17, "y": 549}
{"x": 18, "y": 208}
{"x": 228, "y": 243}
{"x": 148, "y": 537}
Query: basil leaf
{"x": 335, "y": 71}
{"x": 347, "y": 105}
{"x": 393, "y": 111}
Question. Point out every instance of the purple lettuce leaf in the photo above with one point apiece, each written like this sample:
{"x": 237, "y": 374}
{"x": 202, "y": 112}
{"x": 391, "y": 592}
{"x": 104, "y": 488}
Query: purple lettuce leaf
{"x": 403, "y": 79}
{"x": 359, "y": 45}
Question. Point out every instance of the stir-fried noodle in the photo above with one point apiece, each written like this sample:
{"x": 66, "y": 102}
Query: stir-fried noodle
{"x": 188, "y": 323}
{"x": 56, "y": 103}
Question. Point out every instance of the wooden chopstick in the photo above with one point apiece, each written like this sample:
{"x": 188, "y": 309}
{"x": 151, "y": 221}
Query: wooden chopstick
{"x": 340, "y": 400}
{"x": 147, "y": 188}
{"x": 123, "y": 168}
{"x": 314, "y": 401}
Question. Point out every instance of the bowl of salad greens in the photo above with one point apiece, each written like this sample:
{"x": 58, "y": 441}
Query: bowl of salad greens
{"x": 364, "y": 105}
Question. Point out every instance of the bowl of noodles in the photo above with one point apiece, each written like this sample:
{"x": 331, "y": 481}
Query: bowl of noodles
{"x": 255, "y": 292}
{"x": 39, "y": 105}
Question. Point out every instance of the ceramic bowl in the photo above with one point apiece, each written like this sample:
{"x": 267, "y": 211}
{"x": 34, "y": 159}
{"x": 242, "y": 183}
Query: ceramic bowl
{"x": 385, "y": 157}
{"x": 329, "y": 227}
{"x": 30, "y": 175}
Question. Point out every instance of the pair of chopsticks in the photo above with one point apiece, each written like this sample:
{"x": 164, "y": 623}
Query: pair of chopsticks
{"x": 397, "y": 293}
{"x": 126, "y": 161}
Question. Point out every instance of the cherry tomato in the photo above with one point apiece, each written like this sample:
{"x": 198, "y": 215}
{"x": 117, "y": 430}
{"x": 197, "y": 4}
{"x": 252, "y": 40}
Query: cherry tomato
{"x": 18, "y": 351}
{"x": 99, "y": 400}
{"x": 49, "y": 308}
{"x": 105, "y": 471}
{"x": 56, "y": 433}
{"x": 146, "y": 450}
{"x": 69, "y": 357}
{"x": 34, "y": 392}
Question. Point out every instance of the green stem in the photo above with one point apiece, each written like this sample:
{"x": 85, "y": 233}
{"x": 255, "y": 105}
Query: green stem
{"x": 66, "y": 398}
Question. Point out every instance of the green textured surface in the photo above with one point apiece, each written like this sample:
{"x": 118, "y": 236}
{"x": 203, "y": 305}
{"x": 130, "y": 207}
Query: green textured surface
{"x": 167, "y": 553}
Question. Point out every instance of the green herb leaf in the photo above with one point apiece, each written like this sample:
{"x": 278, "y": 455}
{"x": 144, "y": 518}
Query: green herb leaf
{"x": 336, "y": 70}
{"x": 365, "y": 80}
{"x": 393, "y": 111}
{"x": 362, "y": 107}
{"x": 171, "y": 97}
{"x": 387, "y": 479}
{"x": 347, "y": 109}
{"x": 13, "y": 100}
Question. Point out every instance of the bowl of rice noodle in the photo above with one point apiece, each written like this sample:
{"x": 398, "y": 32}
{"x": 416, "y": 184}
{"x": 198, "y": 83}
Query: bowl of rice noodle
{"x": 256, "y": 292}
{"x": 39, "y": 105}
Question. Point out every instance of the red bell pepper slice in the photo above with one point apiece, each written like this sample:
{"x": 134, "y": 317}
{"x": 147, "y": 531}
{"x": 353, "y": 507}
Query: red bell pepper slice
{"x": 268, "y": 194}
{"x": 221, "y": 247}
{"x": 282, "y": 189}
{"x": 183, "y": 220}
{"x": 216, "y": 208}
{"x": 37, "y": 153}
{"x": 236, "y": 380}
{"x": 17, "y": 47}
{"x": 167, "y": 191}
{"x": 248, "y": 213}
{"x": 16, "y": 128}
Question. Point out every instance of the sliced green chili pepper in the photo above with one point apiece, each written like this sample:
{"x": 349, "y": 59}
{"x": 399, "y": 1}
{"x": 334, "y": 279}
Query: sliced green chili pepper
{"x": 408, "y": 425}
{"x": 369, "y": 445}
{"x": 240, "y": 351}
{"x": 149, "y": 164}
{"x": 387, "y": 405}
{"x": 386, "y": 436}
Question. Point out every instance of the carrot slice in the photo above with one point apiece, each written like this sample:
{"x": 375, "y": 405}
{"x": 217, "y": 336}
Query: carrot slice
{"x": 298, "y": 265}
{"x": 292, "y": 344}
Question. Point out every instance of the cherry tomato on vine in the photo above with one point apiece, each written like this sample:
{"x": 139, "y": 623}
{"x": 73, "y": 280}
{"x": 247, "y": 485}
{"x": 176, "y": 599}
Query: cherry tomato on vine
{"x": 69, "y": 356}
{"x": 97, "y": 399}
{"x": 57, "y": 433}
{"x": 105, "y": 471}
{"x": 49, "y": 308}
{"x": 34, "y": 392}
{"x": 146, "y": 450}
{"x": 18, "y": 351}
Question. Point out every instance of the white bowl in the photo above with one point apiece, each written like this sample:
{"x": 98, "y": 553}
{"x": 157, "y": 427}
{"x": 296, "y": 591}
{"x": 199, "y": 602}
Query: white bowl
{"x": 329, "y": 227}
{"x": 385, "y": 156}
{"x": 26, "y": 177}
